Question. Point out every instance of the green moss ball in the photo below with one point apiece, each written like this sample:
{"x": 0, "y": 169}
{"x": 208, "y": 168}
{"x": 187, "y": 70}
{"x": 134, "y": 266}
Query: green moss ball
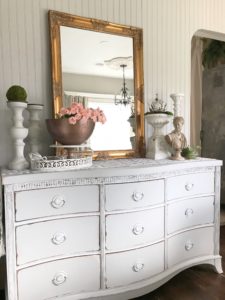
{"x": 16, "y": 93}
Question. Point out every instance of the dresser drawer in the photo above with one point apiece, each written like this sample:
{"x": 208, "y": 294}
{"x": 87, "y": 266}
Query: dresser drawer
{"x": 134, "y": 229}
{"x": 190, "y": 212}
{"x": 58, "y": 237}
{"x": 134, "y": 195}
{"x": 135, "y": 265}
{"x": 187, "y": 245}
{"x": 56, "y": 201}
{"x": 58, "y": 278}
{"x": 189, "y": 185}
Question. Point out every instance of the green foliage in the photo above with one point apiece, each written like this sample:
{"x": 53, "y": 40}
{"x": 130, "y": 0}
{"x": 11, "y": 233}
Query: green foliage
{"x": 213, "y": 54}
{"x": 159, "y": 112}
{"x": 169, "y": 113}
{"x": 190, "y": 152}
{"x": 16, "y": 93}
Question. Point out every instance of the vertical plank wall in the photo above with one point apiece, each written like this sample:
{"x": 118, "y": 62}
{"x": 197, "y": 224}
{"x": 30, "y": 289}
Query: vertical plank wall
{"x": 168, "y": 27}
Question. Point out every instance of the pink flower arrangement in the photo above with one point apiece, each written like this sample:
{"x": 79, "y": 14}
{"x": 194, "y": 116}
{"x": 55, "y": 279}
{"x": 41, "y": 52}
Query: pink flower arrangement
{"x": 77, "y": 112}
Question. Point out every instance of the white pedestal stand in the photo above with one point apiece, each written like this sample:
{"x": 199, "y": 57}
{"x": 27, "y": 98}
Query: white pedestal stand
{"x": 177, "y": 98}
{"x": 34, "y": 127}
{"x": 157, "y": 146}
{"x": 18, "y": 133}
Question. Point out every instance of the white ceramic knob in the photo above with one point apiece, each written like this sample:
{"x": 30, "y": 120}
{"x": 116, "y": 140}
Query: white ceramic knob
{"x": 138, "y": 267}
{"x": 189, "y": 186}
{"x": 58, "y": 201}
{"x": 189, "y": 245}
{"x": 138, "y": 229}
{"x": 137, "y": 196}
{"x": 58, "y": 238}
{"x": 189, "y": 212}
{"x": 59, "y": 278}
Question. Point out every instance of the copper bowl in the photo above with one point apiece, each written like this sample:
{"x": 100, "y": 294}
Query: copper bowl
{"x": 68, "y": 134}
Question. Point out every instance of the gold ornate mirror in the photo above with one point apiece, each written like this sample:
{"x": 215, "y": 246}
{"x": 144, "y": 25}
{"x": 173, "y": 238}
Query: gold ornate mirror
{"x": 91, "y": 61}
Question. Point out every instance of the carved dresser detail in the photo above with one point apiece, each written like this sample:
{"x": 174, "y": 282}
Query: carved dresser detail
{"x": 117, "y": 230}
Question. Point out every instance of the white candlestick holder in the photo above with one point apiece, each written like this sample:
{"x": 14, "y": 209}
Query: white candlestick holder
{"x": 18, "y": 134}
{"x": 177, "y": 98}
{"x": 34, "y": 128}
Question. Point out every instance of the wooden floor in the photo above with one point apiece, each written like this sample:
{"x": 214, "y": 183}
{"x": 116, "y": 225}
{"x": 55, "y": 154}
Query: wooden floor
{"x": 193, "y": 284}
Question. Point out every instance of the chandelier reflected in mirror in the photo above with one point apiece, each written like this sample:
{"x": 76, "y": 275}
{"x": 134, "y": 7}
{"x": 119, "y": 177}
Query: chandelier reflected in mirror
{"x": 123, "y": 97}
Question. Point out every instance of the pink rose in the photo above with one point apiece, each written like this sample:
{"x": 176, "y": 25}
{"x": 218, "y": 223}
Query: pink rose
{"x": 64, "y": 111}
{"x": 72, "y": 120}
{"x": 77, "y": 111}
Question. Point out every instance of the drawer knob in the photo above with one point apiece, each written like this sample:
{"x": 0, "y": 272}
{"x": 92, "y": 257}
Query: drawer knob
{"x": 58, "y": 238}
{"x": 189, "y": 212}
{"x": 189, "y": 245}
{"x": 58, "y": 201}
{"x": 189, "y": 186}
{"x": 138, "y": 229}
{"x": 138, "y": 267}
{"x": 59, "y": 278}
{"x": 137, "y": 196}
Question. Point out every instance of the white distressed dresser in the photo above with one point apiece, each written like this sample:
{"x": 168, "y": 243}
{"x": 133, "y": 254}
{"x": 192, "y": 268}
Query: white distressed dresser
{"x": 117, "y": 230}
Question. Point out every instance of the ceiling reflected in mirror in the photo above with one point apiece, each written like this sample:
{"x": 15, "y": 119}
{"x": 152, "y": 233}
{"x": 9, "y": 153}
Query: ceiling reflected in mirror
{"x": 95, "y": 52}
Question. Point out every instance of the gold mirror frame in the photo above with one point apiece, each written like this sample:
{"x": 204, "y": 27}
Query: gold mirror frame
{"x": 57, "y": 19}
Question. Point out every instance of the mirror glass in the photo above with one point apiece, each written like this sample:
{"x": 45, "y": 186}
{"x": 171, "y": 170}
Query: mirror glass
{"x": 92, "y": 61}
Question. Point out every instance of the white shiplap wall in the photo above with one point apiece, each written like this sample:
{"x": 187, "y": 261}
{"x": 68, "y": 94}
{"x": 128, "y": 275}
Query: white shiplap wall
{"x": 168, "y": 28}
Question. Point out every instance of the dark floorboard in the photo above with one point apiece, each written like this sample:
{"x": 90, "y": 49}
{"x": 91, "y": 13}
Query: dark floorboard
{"x": 196, "y": 283}
{"x": 2, "y": 297}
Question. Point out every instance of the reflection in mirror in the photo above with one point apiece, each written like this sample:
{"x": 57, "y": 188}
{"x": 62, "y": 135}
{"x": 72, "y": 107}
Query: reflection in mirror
{"x": 117, "y": 132}
{"x": 99, "y": 64}
{"x": 85, "y": 80}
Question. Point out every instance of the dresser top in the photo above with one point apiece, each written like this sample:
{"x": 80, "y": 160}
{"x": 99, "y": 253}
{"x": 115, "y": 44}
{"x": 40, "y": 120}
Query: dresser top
{"x": 109, "y": 168}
